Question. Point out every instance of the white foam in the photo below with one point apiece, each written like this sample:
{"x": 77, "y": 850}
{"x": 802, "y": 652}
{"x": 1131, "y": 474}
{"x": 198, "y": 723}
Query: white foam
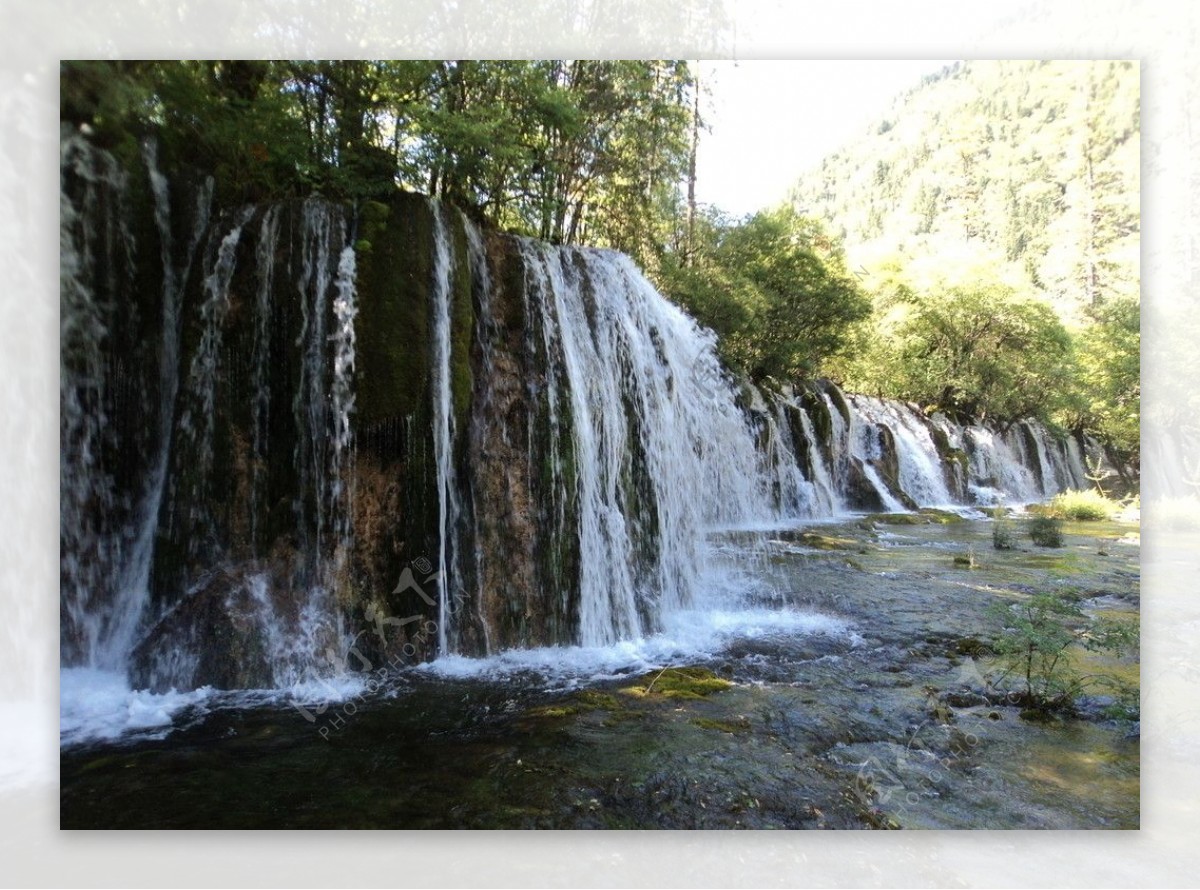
{"x": 96, "y": 705}
{"x": 100, "y": 706}
{"x": 688, "y": 635}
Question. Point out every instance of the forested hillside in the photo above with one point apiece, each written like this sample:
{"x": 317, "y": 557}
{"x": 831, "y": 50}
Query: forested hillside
{"x": 993, "y": 216}
{"x": 1028, "y": 169}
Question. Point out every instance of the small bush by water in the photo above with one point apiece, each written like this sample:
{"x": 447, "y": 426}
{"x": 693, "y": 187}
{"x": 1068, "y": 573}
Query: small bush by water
{"x": 1082, "y": 506}
{"x": 1032, "y": 648}
{"x": 1003, "y": 535}
{"x": 1046, "y": 531}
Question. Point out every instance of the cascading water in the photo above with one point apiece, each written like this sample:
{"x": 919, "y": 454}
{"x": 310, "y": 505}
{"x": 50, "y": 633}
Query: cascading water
{"x": 444, "y": 429}
{"x": 90, "y": 225}
{"x": 558, "y": 437}
{"x": 268, "y": 237}
{"x": 659, "y": 454}
{"x": 920, "y": 466}
{"x": 136, "y": 578}
{"x": 198, "y": 420}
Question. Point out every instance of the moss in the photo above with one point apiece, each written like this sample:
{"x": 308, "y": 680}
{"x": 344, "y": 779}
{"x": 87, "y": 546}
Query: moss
{"x": 827, "y": 542}
{"x": 896, "y": 519}
{"x": 554, "y": 711}
{"x": 597, "y": 700}
{"x": 580, "y": 703}
{"x": 839, "y": 402}
{"x": 681, "y": 683}
{"x": 393, "y": 328}
{"x": 940, "y": 517}
{"x": 740, "y": 724}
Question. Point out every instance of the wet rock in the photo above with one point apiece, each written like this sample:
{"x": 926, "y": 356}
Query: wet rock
{"x": 213, "y": 637}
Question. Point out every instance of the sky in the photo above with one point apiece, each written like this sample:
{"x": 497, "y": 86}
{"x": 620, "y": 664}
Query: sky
{"x": 773, "y": 120}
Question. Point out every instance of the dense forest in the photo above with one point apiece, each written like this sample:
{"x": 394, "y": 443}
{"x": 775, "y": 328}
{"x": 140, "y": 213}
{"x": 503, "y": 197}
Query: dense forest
{"x": 1009, "y": 184}
{"x": 990, "y": 220}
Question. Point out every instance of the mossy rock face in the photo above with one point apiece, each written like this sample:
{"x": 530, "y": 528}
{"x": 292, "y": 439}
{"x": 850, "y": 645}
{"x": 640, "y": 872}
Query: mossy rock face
{"x": 394, "y": 336}
{"x": 896, "y": 519}
{"x": 825, "y": 542}
{"x": 681, "y": 683}
{"x": 217, "y": 623}
{"x": 939, "y": 517}
{"x": 839, "y": 400}
{"x": 817, "y": 410}
{"x": 583, "y": 702}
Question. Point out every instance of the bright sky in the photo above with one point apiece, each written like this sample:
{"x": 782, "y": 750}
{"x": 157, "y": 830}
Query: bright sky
{"x": 773, "y": 120}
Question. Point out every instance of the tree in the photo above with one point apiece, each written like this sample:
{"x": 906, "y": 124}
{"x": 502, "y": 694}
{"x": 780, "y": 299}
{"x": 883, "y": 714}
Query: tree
{"x": 1038, "y": 632}
{"x": 981, "y": 352}
{"x": 774, "y": 288}
{"x": 1110, "y": 373}
{"x": 582, "y": 151}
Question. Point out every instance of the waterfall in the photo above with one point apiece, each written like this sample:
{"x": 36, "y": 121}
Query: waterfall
{"x": 342, "y": 398}
{"x": 256, "y": 444}
{"x": 486, "y": 334}
{"x": 198, "y": 420}
{"x": 444, "y": 428}
{"x": 268, "y": 237}
{"x": 659, "y": 453}
{"x": 827, "y": 499}
{"x": 90, "y": 226}
{"x": 920, "y": 469}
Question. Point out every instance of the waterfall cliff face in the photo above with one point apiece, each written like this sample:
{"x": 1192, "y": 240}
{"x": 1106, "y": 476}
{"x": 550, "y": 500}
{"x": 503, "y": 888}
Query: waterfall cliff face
{"x": 304, "y": 438}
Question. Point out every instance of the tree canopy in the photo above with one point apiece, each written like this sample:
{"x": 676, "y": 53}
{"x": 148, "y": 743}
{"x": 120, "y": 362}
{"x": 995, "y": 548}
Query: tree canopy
{"x": 580, "y": 151}
{"x": 773, "y": 287}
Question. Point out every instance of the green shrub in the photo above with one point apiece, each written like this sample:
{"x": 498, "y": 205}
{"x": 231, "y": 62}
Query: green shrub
{"x": 1046, "y": 531}
{"x": 1003, "y": 537}
{"x": 1033, "y": 649}
{"x": 1085, "y": 506}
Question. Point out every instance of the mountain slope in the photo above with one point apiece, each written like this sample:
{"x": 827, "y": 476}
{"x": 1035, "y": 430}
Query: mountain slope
{"x": 1025, "y": 172}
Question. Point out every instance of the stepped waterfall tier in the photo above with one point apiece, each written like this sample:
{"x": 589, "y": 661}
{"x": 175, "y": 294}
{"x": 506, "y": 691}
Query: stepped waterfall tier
{"x": 304, "y": 437}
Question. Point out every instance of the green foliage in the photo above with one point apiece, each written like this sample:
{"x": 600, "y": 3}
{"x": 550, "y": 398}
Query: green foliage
{"x": 980, "y": 352}
{"x": 1045, "y": 531}
{"x": 570, "y": 151}
{"x": 1110, "y": 372}
{"x": 1017, "y": 175}
{"x": 1003, "y": 535}
{"x": 1033, "y": 647}
{"x": 1036, "y": 164}
{"x": 1085, "y": 506}
{"x": 774, "y": 288}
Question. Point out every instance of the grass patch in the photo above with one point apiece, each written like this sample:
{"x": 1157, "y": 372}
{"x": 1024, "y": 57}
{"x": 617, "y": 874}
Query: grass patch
{"x": 1082, "y": 506}
{"x": 685, "y": 682}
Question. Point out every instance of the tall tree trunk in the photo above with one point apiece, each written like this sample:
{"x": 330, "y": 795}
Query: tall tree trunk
{"x": 691, "y": 189}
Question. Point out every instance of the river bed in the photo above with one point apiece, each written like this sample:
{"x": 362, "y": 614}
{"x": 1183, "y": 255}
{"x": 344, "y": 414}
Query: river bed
{"x": 838, "y": 676}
